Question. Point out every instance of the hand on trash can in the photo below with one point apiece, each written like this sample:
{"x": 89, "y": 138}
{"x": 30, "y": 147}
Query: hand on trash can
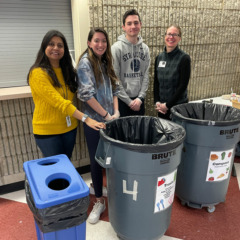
{"x": 94, "y": 124}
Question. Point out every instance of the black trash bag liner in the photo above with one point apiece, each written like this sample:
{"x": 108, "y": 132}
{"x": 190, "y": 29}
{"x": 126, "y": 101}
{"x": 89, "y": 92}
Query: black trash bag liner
{"x": 144, "y": 133}
{"x": 58, "y": 217}
{"x": 206, "y": 114}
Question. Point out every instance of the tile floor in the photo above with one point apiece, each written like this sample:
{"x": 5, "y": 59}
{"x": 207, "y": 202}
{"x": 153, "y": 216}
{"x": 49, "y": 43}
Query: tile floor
{"x": 186, "y": 223}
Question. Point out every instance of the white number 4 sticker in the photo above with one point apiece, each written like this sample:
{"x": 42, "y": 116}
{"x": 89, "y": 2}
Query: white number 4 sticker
{"x": 134, "y": 192}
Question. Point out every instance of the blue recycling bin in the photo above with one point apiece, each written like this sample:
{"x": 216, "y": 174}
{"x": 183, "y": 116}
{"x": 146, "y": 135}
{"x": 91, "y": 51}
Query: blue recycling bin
{"x": 58, "y": 198}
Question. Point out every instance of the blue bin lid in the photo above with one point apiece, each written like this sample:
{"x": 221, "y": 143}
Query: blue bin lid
{"x": 54, "y": 180}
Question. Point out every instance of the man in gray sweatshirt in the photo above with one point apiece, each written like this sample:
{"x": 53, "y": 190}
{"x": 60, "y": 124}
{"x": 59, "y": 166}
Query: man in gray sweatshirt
{"x": 131, "y": 63}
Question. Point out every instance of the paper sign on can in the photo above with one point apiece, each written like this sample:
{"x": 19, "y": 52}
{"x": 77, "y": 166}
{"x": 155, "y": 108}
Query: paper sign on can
{"x": 219, "y": 165}
{"x": 165, "y": 191}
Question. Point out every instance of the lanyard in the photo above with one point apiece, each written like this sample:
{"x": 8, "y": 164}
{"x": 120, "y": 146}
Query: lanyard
{"x": 68, "y": 119}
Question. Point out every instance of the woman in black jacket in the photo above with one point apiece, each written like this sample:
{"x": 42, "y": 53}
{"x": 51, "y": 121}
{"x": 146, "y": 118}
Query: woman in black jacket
{"x": 171, "y": 74}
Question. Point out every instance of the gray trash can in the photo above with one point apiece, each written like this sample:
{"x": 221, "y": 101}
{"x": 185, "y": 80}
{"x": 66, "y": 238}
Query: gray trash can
{"x": 141, "y": 156}
{"x": 212, "y": 132}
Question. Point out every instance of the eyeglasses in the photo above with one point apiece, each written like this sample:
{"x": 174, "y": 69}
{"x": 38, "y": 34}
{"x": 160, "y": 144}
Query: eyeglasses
{"x": 173, "y": 35}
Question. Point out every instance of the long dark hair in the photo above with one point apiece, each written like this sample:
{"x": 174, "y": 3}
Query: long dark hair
{"x": 42, "y": 61}
{"x": 106, "y": 59}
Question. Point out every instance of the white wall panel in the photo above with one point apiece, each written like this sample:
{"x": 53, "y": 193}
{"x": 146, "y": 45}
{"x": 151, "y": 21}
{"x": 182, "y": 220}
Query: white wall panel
{"x": 23, "y": 23}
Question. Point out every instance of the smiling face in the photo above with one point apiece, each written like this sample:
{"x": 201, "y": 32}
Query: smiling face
{"x": 172, "y": 38}
{"x": 132, "y": 26}
{"x": 55, "y": 51}
{"x": 98, "y": 43}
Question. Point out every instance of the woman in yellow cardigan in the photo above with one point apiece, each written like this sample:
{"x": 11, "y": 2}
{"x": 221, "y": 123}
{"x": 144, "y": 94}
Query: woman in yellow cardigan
{"x": 53, "y": 82}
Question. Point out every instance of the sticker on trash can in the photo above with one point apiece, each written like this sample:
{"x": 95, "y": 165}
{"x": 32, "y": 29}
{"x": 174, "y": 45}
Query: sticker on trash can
{"x": 219, "y": 165}
{"x": 165, "y": 191}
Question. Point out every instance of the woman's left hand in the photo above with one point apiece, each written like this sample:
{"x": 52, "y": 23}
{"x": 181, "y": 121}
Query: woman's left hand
{"x": 94, "y": 124}
{"x": 116, "y": 114}
{"x": 163, "y": 108}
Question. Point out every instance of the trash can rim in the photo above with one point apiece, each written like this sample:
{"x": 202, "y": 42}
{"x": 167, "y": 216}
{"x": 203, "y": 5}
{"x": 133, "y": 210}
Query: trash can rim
{"x": 118, "y": 142}
{"x": 145, "y": 148}
{"x": 203, "y": 121}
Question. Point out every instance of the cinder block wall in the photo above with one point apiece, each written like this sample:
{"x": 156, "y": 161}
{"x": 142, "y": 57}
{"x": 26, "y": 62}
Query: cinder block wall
{"x": 211, "y": 36}
{"x": 17, "y": 143}
{"x": 16, "y": 139}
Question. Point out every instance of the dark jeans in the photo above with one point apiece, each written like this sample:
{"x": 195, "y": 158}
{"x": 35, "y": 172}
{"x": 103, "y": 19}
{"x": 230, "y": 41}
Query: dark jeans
{"x": 125, "y": 110}
{"x": 92, "y": 138}
{"x": 57, "y": 144}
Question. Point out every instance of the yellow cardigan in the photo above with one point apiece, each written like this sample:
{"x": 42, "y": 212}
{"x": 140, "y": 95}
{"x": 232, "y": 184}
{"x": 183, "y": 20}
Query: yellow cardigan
{"x": 51, "y": 105}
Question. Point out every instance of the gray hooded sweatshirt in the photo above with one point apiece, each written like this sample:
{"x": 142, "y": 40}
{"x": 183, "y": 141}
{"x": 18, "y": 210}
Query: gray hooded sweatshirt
{"x": 131, "y": 63}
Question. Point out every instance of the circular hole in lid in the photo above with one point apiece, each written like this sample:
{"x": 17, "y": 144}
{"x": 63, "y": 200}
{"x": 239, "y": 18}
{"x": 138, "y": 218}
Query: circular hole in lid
{"x": 58, "y": 181}
{"x": 48, "y": 162}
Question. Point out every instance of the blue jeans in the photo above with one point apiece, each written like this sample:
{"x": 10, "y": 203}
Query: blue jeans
{"x": 92, "y": 139}
{"x": 57, "y": 144}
